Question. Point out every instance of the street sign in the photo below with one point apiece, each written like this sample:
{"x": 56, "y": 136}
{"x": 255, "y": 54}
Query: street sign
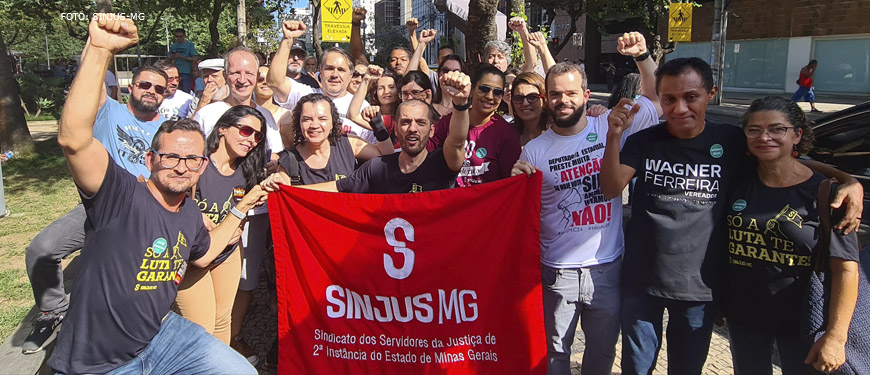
{"x": 680, "y": 22}
{"x": 336, "y": 17}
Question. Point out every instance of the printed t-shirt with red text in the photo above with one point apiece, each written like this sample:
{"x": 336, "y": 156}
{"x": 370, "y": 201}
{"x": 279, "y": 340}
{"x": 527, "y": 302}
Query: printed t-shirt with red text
{"x": 579, "y": 227}
{"x": 490, "y": 150}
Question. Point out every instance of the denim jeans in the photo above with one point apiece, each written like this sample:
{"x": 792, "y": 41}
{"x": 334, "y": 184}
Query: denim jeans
{"x": 44, "y": 254}
{"x": 690, "y": 327}
{"x": 751, "y": 352}
{"x": 183, "y": 347}
{"x": 592, "y": 296}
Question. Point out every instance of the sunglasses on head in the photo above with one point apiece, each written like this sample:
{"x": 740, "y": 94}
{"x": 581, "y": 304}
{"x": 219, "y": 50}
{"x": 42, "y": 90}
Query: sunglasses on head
{"x": 485, "y": 89}
{"x": 145, "y": 85}
{"x": 531, "y": 98}
{"x": 246, "y": 131}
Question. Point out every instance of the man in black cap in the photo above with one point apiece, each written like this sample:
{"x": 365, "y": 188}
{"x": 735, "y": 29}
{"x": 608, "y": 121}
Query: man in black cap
{"x": 294, "y": 64}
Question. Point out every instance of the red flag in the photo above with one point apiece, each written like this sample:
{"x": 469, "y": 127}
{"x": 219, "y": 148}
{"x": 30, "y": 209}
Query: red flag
{"x": 442, "y": 282}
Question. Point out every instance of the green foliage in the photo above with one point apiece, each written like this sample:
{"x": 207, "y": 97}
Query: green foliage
{"x": 385, "y": 45}
{"x": 40, "y": 93}
{"x": 517, "y": 56}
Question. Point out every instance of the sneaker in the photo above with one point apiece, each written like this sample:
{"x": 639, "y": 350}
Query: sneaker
{"x": 44, "y": 331}
{"x": 815, "y": 111}
{"x": 240, "y": 346}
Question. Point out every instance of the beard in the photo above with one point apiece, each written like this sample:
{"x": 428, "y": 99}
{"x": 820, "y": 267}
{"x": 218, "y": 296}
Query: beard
{"x": 570, "y": 120}
{"x": 141, "y": 106}
{"x": 167, "y": 185}
{"x": 293, "y": 71}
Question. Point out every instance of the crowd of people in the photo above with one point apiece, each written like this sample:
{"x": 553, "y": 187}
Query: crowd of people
{"x": 175, "y": 230}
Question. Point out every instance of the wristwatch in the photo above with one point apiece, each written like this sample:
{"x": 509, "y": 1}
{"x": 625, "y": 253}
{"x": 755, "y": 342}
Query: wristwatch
{"x": 642, "y": 57}
{"x": 239, "y": 214}
{"x": 462, "y": 107}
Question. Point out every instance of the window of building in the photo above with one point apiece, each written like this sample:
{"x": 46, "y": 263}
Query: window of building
{"x": 844, "y": 65}
{"x": 756, "y": 64}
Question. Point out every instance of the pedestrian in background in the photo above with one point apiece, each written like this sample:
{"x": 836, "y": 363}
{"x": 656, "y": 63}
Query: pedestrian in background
{"x": 805, "y": 85}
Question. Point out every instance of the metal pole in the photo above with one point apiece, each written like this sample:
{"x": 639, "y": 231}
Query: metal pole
{"x": 717, "y": 59}
{"x": 720, "y": 71}
{"x": 47, "y": 60}
{"x": 166, "y": 32}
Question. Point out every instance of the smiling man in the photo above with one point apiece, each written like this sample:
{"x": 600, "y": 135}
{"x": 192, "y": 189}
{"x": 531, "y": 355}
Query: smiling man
{"x": 176, "y": 103}
{"x": 336, "y": 72}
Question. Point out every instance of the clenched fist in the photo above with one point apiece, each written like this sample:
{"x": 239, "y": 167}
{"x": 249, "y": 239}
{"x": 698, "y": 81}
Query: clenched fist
{"x": 359, "y": 14}
{"x": 632, "y": 44}
{"x": 458, "y": 84}
{"x": 293, "y": 29}
{"x": 112, "y": 32}
{"x": 517, "y": 24}
{"x": 412, "y": 24}
{"x": 427, "y": 36}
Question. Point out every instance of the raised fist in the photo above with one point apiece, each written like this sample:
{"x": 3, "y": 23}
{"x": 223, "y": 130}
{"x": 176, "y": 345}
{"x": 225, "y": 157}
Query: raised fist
{"x": 537, "y": 40}
{"x": 458, "y": 85}
{"x": 412, "y": 24}
{"x": 374, "y": 71}
{"x": 112, "y": 32}
{"x": 632, "y": 44}
{"x": 368, "y": 113}
{"x": 359, "y": 14}
{"x": 427, "y": 36}
{"x": 293, "y": 29}
{"x": 517, "y": 24}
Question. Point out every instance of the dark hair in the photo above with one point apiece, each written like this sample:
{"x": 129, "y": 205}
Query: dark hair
{"x": 400, "y": 48}
{"x": 254, "y": 163}
{"x": 532, "y": 79}
{"x": 513, "y": 71}
{"x": 373, "y": 87}
{"x": 813, "y": 62}
{"x": 261, "y": 58}
{"x": 680, "y": 65}
{"x": 483, "y": 70}
{"x": 350, "y": 60}
{"x": 792, "y": 112}
{"x": 628, "y": 87}
{"x": 565, "y": 68}
{"x": 298, "y": 137}
{"x": 413, "y": 102}
{"x": 186, "y": 125}
{"x": 446, "y": 46}
{"x": 454, "y": 57}
{"x": 418, "y": 77}
{"x": 179, "y": 30}
{"x": 163, "y": 64}
{"x": 149, "y": 68}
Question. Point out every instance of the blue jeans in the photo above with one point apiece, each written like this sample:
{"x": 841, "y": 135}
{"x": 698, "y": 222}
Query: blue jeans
{"x": 690, "y": 327}
{"x": 804, "y": 92}
{"x": 184, "y": 80}
{"x": 590, "y": 295}
{"x": 751, "y": 352}
{"x": 183, "y": 347}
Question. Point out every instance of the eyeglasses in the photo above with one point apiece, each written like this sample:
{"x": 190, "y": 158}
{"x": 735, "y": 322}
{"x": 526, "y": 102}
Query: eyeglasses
{"x": 357, "y": 74}
{"x": 246, "y": 131}
{"x": 777, "y": 132}
{"x": 145, "y": 85}
{"x": 412, "y": 94}
{"x": 170, "y": 161}
{"x": 531, "y": 98}
{"x": 171, "y": 79}
{"x": 485, "y": 89}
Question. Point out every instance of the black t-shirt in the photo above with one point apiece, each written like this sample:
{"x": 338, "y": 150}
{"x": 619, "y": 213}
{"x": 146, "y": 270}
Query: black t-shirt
{"x": 216, "y": 194}
{"x": 341, "y": 163}
{"x": 382, "y": 175}
{"x": 306, "y": 79}
{"x": 133, "y": 251}
{"x": 771, "y": 236}
{"x": 674, "y": 245}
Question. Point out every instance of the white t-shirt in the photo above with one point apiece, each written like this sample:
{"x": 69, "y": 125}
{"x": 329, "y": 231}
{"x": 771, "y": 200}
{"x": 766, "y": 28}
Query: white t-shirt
{"x": 177, "y": 106}
{"x": 298, "y": 90}
{"x": 579, "y": 228}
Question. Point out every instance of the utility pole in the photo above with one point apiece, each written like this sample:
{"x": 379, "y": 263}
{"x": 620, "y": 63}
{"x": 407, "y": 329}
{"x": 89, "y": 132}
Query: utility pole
{"x": 242, "y": 23}
{"x": 720, "y": 26}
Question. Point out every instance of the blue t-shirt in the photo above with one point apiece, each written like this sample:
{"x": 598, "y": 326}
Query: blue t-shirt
{"x": 186, "y": 49}
{"x": 126, "y": 138}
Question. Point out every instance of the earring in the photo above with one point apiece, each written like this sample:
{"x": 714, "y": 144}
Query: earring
{"x": 795, "y": 152}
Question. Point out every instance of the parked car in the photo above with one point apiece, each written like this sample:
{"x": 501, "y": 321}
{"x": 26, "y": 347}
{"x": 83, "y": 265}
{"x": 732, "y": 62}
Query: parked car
{"x": 843, "y": 140}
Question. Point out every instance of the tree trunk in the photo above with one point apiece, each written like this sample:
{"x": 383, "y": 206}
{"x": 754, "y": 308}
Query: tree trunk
{"x": 481, "y": 27}
{"x": 241, "y": 23}
{"x": 14, "y": 134}
{"x": 212, "y": 27}
{"x": 592, "y": 44}
{"x": 315, "y": 31}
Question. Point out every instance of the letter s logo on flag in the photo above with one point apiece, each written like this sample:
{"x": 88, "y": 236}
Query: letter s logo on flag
{"x": 399, "y": 247}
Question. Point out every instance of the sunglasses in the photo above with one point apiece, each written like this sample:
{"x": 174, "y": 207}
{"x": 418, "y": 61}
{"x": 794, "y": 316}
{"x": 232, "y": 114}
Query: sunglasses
{"x": 145, "y": 85}
{"x": 261, "y": 79}
{"x": 485, "y": 89}
{"x": 246, "y": 131}
{"x": 531, "y": 98}
{"x": 356, "y": 74}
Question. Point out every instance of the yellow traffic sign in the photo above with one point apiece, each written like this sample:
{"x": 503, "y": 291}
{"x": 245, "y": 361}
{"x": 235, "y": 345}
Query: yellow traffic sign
{"x": 336, "y": 17}
{"x": 680, "y": 22}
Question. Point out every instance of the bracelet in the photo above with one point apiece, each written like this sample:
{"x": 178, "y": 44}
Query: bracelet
{"x": 642, "y": 57}
{"x": 462, "y": 107}
{"x": 239, "y": 214}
